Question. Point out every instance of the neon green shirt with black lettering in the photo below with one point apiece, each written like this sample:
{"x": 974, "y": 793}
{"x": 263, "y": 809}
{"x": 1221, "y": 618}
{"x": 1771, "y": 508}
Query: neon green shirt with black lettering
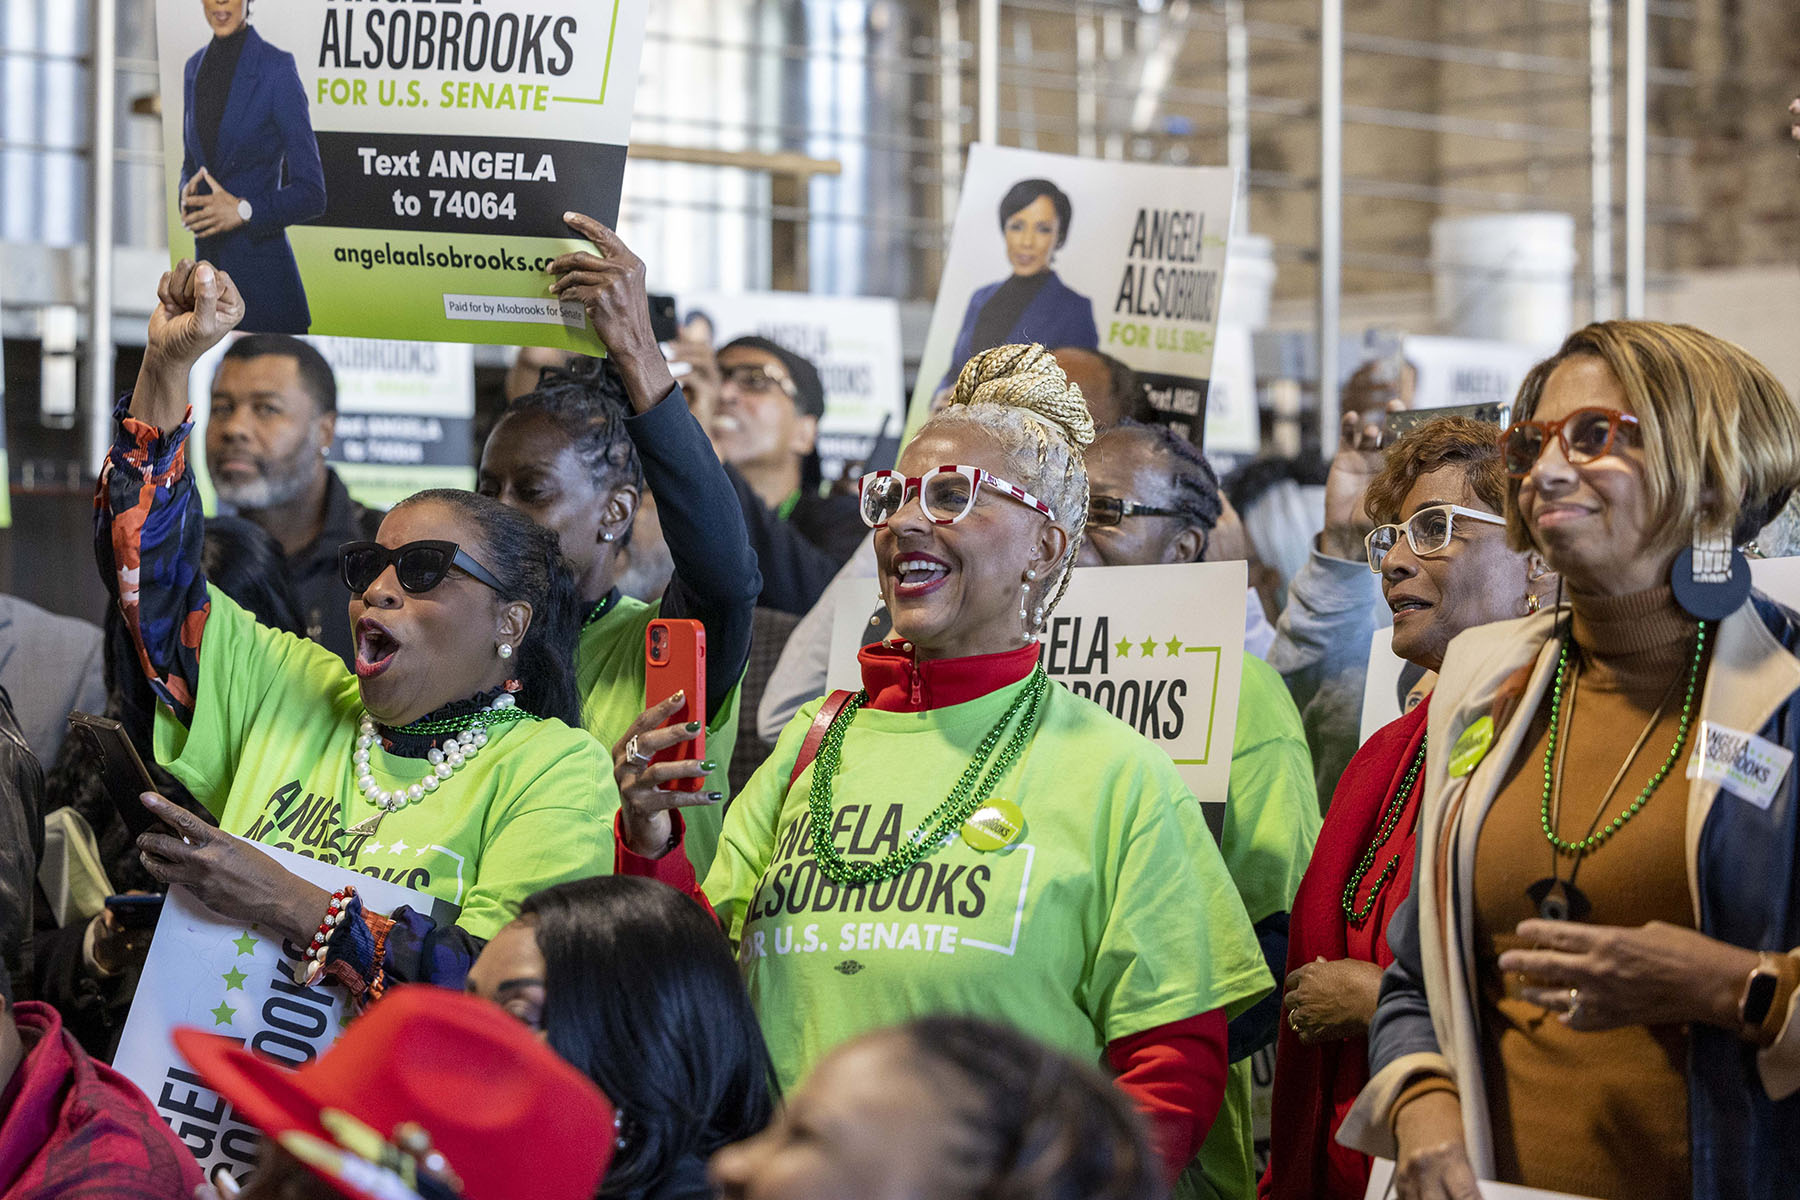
{"x": 1271, "y": 824}
{"x": 609, "y": 672}
{"x": 269, "y": 753}
{"x": 1109, "y": 915}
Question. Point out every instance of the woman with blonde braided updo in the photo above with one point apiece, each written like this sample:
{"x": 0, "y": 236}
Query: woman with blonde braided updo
{"x": 964, "y": 835}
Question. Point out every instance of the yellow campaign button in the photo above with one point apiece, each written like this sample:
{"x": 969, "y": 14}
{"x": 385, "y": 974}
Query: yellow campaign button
{"x": 1472, "y": 746}
{"x": 994, "y": 826}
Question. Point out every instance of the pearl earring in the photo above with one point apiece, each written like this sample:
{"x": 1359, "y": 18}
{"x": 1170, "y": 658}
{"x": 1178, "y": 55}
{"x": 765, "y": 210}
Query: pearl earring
{"x": 609, "y": 537}
{"x": 505, "y": 649}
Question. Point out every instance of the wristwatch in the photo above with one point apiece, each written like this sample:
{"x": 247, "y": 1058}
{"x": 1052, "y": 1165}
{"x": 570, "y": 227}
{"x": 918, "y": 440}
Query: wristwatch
{"x": 243, "y": 210}
{"x": 1759, "y": 992}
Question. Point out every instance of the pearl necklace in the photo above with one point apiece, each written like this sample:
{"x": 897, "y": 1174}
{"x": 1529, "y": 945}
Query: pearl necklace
{"x": 445, "y": 761}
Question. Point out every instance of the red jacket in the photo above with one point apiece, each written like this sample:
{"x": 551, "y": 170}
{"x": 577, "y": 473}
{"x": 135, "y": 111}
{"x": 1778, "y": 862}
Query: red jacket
{"x": 75, "y": 1129}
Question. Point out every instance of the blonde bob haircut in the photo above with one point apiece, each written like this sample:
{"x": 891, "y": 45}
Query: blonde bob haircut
{"x": 1721, "y": 436}
{"x": 1020, "y": 398}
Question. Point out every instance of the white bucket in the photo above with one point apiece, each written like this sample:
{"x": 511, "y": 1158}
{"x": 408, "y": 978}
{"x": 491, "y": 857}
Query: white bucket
{"x": 1249, "y": 280}
{"x": 1508, "y": 277}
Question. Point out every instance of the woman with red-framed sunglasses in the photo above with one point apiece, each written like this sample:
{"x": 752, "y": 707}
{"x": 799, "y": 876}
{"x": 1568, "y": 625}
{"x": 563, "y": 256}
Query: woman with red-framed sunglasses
{"x": 451, "y": 760}
{"x": 1594, "y": 976}
{"x": 963, "y": 833}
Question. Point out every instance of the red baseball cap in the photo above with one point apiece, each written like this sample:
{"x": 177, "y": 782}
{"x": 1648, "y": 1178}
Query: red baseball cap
{"x": 509, "y": 1117}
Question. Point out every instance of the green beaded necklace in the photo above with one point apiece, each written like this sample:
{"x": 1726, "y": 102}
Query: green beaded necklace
{"x": 484, "y": 718}
{"x": 943, "y": 820}
{"x": 1595, "y": 840}
{"x": 1390, "y": 821}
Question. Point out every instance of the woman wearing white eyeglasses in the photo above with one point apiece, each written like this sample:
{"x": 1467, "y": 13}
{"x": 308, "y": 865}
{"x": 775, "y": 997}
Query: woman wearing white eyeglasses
{"x": 1593, "y": 978}
{"x": 1441, "y": 554}
{"x": 963, "y": 834}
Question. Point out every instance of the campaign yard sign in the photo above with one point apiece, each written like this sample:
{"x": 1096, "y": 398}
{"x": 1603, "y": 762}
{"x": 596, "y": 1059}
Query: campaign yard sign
{"x": 405, "y": 423}
{"x": 236, "y": 980}
{"x": 1161, "y": 648}
{"x": 401, "y": 170}
{"x": 854, "y": 341}
{"x": 1120, "y": 258}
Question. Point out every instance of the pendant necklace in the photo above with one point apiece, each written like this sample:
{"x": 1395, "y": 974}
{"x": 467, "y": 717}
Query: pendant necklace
{"x": 970, "y": 792}
{"x": 1390, "y": 821}
{"x": 1555, "y": 898}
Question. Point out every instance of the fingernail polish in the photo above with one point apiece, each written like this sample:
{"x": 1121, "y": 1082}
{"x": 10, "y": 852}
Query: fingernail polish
{"x": 709, "y": 767}
{"x": 715, "y": 797}
{"x": 693, "y": 727}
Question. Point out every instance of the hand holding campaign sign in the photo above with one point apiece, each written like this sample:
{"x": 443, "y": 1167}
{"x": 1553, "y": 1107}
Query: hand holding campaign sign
{"x": 236, "y": 980}
{"x": 396, "y": 170}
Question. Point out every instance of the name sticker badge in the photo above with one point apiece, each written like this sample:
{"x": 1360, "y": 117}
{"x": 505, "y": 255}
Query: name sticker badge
{"x": 1750, "y": 766}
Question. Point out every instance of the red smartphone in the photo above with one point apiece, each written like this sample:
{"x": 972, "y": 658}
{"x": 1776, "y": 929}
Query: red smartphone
{"x": 675, "y": 661}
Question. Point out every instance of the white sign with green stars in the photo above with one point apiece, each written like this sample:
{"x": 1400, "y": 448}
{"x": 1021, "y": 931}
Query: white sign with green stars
{"x": 236, "y": 980}
{"x": 1161, "y": 648}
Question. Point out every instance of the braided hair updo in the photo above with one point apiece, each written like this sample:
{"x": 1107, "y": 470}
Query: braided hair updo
{"x": 1193, "y": 484}
{"x": 586, "y": 401}
{"x": 1020, "y": 397}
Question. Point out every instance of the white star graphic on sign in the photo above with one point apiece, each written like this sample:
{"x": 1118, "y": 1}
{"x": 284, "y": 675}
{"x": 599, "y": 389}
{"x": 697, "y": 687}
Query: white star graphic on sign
{"x": 422, "y": 851}
{"x": 374, "y": 847}
{"x": 398, "y": 847}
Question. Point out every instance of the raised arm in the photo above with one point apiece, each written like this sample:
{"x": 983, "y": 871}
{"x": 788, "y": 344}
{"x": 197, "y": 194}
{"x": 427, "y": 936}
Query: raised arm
{"x": 147, "y": 522}
{"x": 716, "y": 578}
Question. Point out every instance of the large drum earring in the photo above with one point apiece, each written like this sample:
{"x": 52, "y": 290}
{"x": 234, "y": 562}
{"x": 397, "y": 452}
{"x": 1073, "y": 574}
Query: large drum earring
{"x": 1711, "y": 578}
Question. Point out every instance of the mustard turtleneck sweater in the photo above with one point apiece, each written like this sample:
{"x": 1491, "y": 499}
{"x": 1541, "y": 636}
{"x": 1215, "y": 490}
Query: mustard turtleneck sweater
{"x": 1594, "y": 1114}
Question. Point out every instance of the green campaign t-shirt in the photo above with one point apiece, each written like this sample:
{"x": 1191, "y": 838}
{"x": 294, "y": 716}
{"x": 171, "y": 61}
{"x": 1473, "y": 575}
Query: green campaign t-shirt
{"x": 269, "y": 754}
{"x": 1112, "y": 913}
{"x": 1271, "y": 824}
{"x": 609, "y": 671}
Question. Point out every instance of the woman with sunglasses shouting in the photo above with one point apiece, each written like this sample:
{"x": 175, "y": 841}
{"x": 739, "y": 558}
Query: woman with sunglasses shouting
{"x": 451, "y": 762}
{"x": 1593, "y": 978}
{"x": 964, "y": 834}
{"x": 1441, "y": 556}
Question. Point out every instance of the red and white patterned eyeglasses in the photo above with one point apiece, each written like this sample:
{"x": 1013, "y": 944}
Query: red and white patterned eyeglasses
{"x": 946, "y": 494}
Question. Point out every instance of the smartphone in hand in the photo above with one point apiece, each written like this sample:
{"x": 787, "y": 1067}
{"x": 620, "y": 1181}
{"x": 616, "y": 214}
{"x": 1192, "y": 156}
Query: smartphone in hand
{"x": 136, "y": 910}
{"x": 675, "y": 661}
{"x": 122, "y": 771}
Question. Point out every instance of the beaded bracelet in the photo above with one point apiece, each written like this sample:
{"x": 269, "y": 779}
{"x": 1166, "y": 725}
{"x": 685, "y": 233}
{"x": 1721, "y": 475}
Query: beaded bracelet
{"x": 321, "y": 941}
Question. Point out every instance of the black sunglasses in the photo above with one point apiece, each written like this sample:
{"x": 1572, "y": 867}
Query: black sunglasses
{"x": 419, "y": 566}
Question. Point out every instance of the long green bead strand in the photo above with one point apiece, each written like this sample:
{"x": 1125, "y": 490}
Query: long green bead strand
{"x": 943, "y": 820}
{"x": 1390, "y": 821}
{"x": 1595, "y": 840}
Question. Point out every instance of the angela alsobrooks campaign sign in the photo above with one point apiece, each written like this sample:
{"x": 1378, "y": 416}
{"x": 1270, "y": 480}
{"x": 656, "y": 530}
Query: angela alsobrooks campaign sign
{"x": 396, "y": 168}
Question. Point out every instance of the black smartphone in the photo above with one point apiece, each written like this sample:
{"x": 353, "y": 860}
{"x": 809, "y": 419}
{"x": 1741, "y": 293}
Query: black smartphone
{"x": 664, "y": 326}
{"x": 121, "y": 769}
{"x": 138, "y": 911}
